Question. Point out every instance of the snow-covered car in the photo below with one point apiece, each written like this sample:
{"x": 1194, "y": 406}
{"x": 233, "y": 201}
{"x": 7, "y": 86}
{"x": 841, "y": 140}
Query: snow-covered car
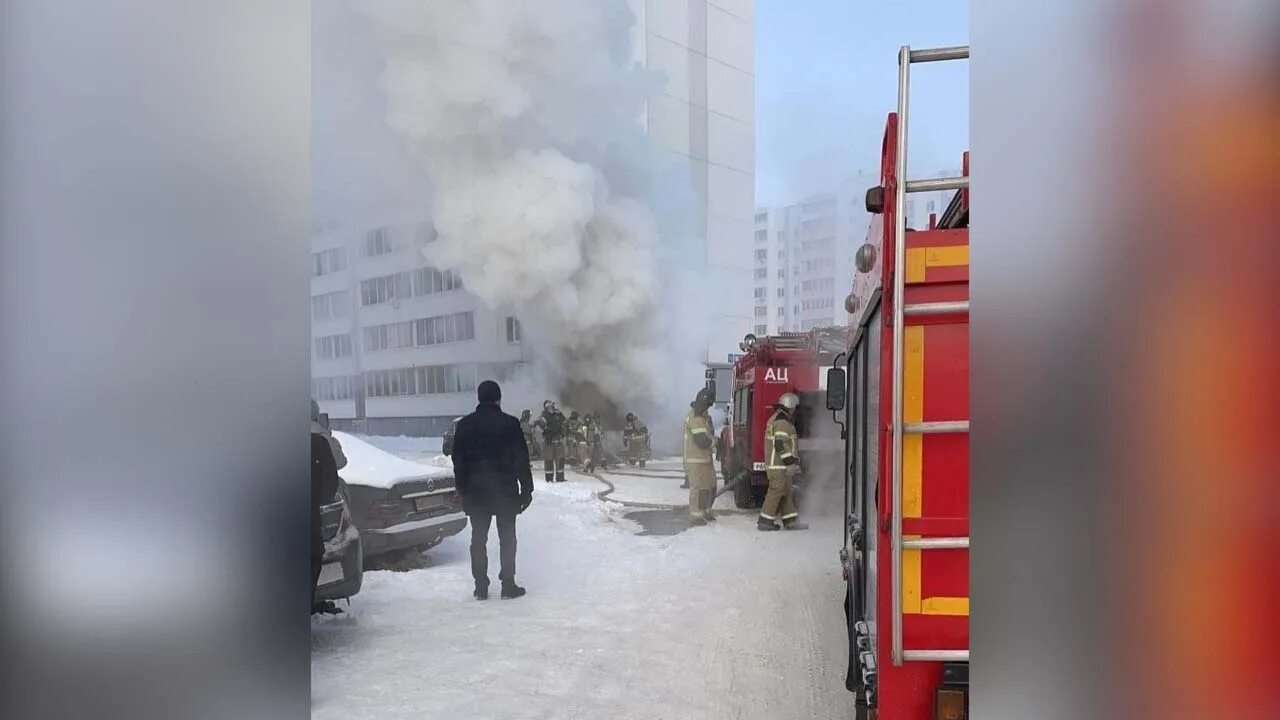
{"x": 342, "y": 568}
{"x": 447, "y": 447}
{"x": 397, "y": 504}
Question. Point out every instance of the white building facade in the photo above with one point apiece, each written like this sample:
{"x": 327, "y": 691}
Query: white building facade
{"x": 397, "y": 344}
{"x": 706, "y": 119}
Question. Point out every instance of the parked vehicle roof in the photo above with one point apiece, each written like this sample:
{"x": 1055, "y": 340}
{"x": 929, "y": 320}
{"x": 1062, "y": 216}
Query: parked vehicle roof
{"x": 372, "y": 467}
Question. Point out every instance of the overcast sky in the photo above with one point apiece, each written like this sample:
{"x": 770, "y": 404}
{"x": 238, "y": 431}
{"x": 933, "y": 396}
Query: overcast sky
{"x": 826, "y": 78}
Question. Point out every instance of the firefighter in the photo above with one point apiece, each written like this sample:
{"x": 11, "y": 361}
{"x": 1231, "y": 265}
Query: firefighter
{"x": 591, "y": 435}
{"x": 578, "y": 433}
{"x": 635, "y": 439}
{"x": 526, "y": 427}
{"x": 704, "y": 395}
{"x": 554, "y": 426}
{"x": 699, "y": 468}
{"x": 783, "y": 467}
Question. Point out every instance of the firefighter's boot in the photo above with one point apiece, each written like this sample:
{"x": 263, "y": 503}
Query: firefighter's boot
{"x": 793, "y": 524}
{"x": 765, "y": 524}
{"x": 707, "y": 498}
{"x": 510, "y": 591}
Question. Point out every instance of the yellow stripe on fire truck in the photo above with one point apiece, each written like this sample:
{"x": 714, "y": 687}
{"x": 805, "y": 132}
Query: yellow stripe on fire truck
{"x": 913, "y": 478}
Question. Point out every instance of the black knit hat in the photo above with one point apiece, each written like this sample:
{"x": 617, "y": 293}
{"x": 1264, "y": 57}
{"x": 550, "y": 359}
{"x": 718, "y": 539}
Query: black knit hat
{"x": 489, "y": 392}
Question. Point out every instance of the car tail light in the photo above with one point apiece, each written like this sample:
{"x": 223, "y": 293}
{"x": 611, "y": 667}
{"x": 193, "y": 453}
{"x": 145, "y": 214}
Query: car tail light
{"x": 391, "y": 510}
{"x": 455, "y": 501}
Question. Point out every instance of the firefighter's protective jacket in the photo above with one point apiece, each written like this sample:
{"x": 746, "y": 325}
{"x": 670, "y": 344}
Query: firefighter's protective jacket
{"x": 780, "y": 442}
{"x": 553, "y": 425}
{"x": 634, "y": 429}
{"x": 696, "y": 427}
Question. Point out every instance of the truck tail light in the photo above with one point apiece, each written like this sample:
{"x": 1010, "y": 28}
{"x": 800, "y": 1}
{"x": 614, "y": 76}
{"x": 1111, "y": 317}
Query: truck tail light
{"x": 950, "y": 704}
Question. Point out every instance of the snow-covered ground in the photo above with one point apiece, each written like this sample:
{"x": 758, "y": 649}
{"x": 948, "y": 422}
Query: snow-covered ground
{"x": 713, "y": 622}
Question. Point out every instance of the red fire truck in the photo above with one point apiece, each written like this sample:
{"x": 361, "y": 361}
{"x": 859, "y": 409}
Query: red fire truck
{"x": 768, "y": 368}
{"x": 902, "y": 394}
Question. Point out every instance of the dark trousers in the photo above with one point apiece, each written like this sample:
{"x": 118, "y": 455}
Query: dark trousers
{"x": 506, "y": 541}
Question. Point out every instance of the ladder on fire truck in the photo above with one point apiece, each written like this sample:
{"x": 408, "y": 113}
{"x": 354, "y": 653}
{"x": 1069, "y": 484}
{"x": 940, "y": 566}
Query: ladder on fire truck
{"x": 906, "y": 58}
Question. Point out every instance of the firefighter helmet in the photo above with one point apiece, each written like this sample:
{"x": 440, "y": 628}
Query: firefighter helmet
{"x": 631, "y": 417}
{"x": 790, "y": 401}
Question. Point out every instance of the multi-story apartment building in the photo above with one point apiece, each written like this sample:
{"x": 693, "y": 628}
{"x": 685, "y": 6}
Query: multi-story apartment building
{"x": 802, "y": 255}
{"x": 397, "y": 342}
{"x": 705, "y": 120}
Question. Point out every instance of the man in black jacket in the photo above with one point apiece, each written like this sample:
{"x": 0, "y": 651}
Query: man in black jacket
{"x": 491, "y": 469}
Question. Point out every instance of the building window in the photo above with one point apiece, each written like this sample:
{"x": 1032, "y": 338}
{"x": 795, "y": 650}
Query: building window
{"x": 782, "y": 254}
{"x": 445, "y": 329}
{"x": 431, "y": 380}
{"x": 762, "y": 311}
{"x": 333, "y": 347}
{"x": 782, "y": 292}
{"x": 762, "y": 216}
{"x": 378, "y": 242}
{"x": 333, "y": 388}
{"x": 330, "y": 305}
{"x": 762, "y": 273}
{"x": 513, "y": 330}
{"x": 762, "y": 330}
{"x": 395, "y": 336}
{"x": 762, "y": 255}
{"x": 762, "y": 236}
{"x": 328, "y": 261}
{"x": 375, "y": 291}
{"x": 782, "y": 311}
{"x": 782, "y": 274}
{"x": 761, "y": 292}
{"x": 429, "y": 281}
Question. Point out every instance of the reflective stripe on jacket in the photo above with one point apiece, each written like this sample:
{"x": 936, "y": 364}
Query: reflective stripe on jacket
{"x": 779, "y": 428}
{"x": 697, "y": 425}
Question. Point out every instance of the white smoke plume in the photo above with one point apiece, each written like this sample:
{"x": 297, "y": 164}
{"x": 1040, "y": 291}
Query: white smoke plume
{"x": 545, "y": 192}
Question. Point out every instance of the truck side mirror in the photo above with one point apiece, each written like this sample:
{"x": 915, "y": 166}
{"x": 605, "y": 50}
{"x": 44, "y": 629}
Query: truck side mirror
{"x": 835, "y": 388}
{"x": 875, "y": 200}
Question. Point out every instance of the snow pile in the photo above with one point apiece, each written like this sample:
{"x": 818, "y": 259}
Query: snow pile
{"x": 370, "y": 466}
{"x": 546, "y": 193}
{"x": 411, "y": 448}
